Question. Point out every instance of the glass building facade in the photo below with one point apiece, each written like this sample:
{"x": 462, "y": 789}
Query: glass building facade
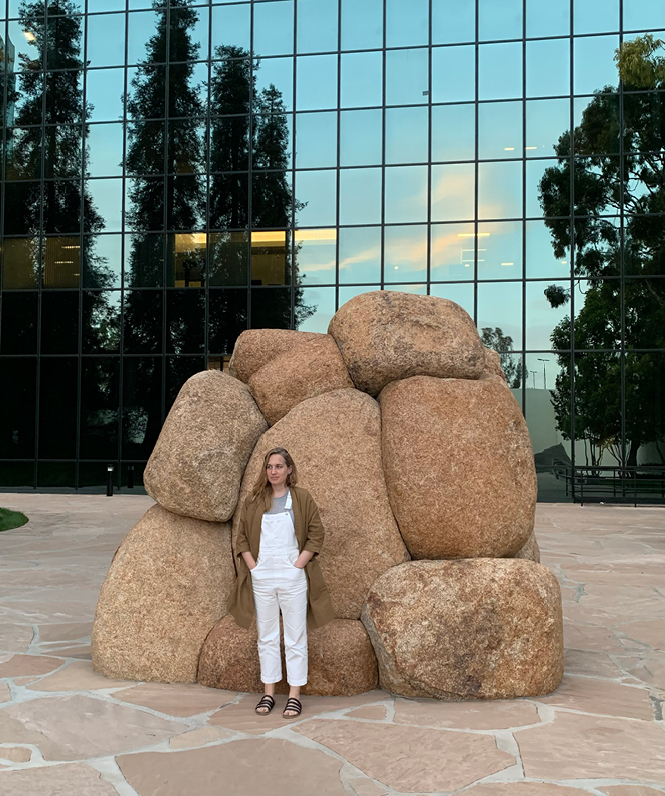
{"x": 173, "y": 174}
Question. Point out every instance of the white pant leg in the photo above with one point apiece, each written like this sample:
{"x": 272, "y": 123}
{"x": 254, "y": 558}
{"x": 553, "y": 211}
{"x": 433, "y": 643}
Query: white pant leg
{"x": 292, "y": 596}
{"x": 267, "y": 625}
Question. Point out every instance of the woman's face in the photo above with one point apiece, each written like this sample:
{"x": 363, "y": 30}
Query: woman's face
{"x": 277, "y": 471}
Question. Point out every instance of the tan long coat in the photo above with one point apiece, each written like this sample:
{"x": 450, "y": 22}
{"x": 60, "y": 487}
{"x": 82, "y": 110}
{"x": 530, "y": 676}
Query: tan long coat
{"x": 309, "y": 533}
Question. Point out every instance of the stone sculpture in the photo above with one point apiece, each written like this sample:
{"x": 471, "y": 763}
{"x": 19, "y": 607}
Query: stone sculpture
{"x": 410, "y": 441}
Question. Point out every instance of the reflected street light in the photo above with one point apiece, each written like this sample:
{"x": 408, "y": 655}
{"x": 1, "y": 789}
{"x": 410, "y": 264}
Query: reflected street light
{"x": 533, "y": 373}
{"x": 544, "y": 374}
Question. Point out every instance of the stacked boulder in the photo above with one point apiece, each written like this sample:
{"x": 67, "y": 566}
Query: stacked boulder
{"x": 418, "y": 456}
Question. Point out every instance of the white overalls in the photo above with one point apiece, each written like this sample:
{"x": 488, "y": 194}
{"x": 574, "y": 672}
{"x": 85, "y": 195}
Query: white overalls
{"x": 278, "y": 584}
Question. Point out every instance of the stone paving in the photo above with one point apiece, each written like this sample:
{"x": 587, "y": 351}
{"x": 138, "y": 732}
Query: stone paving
{"x": 66, "y": 730}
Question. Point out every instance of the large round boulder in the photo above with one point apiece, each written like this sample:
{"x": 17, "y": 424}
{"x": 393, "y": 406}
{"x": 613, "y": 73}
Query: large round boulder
{"x": 341, "y": 660}
{"x": 197, "y": 464}
{"x": 254, "y": 348}
{"x": 388, "y": 335}
{"x": 469, "y": 629}
{"x": 335, "y": 441}
{"x": 459, "y": 467}
{"x": 166, "y": 588}
{"x": 303, "y": 372}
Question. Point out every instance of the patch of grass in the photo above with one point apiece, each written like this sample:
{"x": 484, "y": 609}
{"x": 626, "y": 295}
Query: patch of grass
{"x": 11, "y": 519}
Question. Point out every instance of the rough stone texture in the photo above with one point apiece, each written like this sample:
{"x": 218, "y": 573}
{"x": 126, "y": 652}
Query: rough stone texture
{"x": 72, "y": 779}
{"x": 459, "y": 467}
{"x": 335, "y": 440}
{"x": 235, "y": 767}
{"x": 410, "y": 759}
{"x": 472, "y": 629}
{"x": 167, "y": 586}
{"x": 196, "y": 467}
{"x": 530, "y": 551}
{"x": 493, "y": 364}
{"x": 341, "y": 659}
{"x": 387, "y": 335}
{"x": 254, "y": 348}
{"x": 312, "y": 368}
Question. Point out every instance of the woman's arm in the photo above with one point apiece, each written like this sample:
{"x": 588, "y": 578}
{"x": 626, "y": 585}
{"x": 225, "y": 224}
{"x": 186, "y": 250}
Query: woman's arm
{"x": 315, "y": 531}
{"x": 242, "y": 542}
{"x": 303, "y": 559}
{"x": 249, "y": 559}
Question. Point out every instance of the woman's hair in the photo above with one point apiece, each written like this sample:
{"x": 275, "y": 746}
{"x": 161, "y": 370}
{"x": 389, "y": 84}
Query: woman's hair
{"x": 262, "y": 487}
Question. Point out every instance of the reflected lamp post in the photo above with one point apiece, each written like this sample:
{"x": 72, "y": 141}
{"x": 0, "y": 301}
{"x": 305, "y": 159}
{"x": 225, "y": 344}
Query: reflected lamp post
{"x": 544, "y": 374}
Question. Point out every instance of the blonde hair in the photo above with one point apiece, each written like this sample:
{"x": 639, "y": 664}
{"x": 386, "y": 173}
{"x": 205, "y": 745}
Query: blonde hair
{"x": 263, "y": 488}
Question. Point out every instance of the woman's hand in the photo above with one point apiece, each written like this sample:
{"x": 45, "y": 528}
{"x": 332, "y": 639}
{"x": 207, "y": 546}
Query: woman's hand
{"x": 249, "y": 560}
{"x": 303, "y": 559}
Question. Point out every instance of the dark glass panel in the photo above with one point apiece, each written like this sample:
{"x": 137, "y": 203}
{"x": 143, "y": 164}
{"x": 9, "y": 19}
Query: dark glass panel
{"x": 58, "y": 379}
{"x": 185, "y": 320}
{"x": 155, "y": 77}
{"x": 144, "y": 260}
{"x": 17, "y": 474}
{"x": 405, "y": 193}
{"x": 645, "y": 410}
{"x": 95, "y": 474}
{"x": 20, "y": 263}
{"x": 186, "y": 259}
{"x": 270, "y": 308}
{"x": 99, "y": 408}
{"x": 405, "y": 253}
{"x": 362, "y": 80}
{"x": 645, "y": 313}
{"x": 230, "y": 144}
{"x": 56, "y": 474}
{"x": 64, "y": 99}
{"x": 229, "y": 200}
{"x": 230, "y": 26}
{"x": 644, "y": 121}
{"x": 597, "y": 125}
{"x": 102, "y": 261}
{"x": 452, "y": 254}
{"x": 106, "y": 38}
{"x": 500, "y": 250}
{"x": 271, "y": 199}
{"x": 105, "y": 150}
{"x": 141, "y": 405}
{"x": 453, "y": 192}
{"x": 453, "y": 74}
{"x": 271, "y": 258}
{"x": 406, "y": 135}
{"x": 145, "y": 159}
{"x": 316, "y": 82}
{"x": 360, "y": 196}
{"x": 62, "y": 207}
{"x": 317, "y": 25}
{"x": 316, "y": 255}
{"x": 132, "y": 476}
{"x": 24, "y": 46}
{"x": 361, "y": 137}
{"x": 143, "y": 322}
{"x": 62, "y": 262}
{"x": 19, "y": 323}
{"x": 63, "y": 145}
{"x": 185, "y": 201}
{"x": 644, "y": 252}
{"x": 17, "y": 408}
{"x": 407, "y": 23}
{"x": 24, "y": 155}
{"x": 178, "y": 370}
{"x": 60, "y": 322}
{"x": 500, "y": 306}
{"x": 273, "y": 140}
{"x": 64, "y": 40}
{"x": 228, "y": 254}
{"x": 542, "y": 318}
{"x": 596, "y": 188}
{"x": 548, "y": 68}
{"x": 316, "y": 193}
{"x": 594, "y": 66}
{"x": 362, "y": 24}
{"x": 273, "y": 28}
{"x": 188, "y": 39}
{"x": 597, "y": 315}
{"x": 101, "y": 321}
{"x": 453, "y": 21}
{"x": 21, "y": 210}
{"x": 227, "y": 318}
{"x": 551, "y": 192}
{"x": 499, "y": 19}
{"x": 360, "y": 254}
{"x": 499, "y": 71}
{"x": 145, "y": 203}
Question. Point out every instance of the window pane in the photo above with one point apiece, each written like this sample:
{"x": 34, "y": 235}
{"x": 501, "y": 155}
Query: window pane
{"x": 548, "y": 68}
{"x": 20, "y": 263}
{"x": 453, "y": 192}
{"x": 62, "y": 262}
{"x": 453, "y": 74}
{"x": 228, "y": 254}
{"x": 105, "y": 153}
{"x": 317, "y": 190}
{"x": 317, "y": 82}
{"x": 360, "y": 254}
{"x": 594, "y": 63}
{"x": 317, "y": 253}
{"x": 271, "y": 308}
{"x": 101, "y": 321}
{"x": 317, "y": 25}
{"x": 18, "y": 334}
{"x": 17, "y": 409}
{"x": 360, "y": 196}
{"x": 405, "y": 254}
{"x": 500, "y": 129}
{"x": 141, "y": 405}
{"x": 106, "y": 39}
{"x": 362, "y": 79}
{"x": 104, "y": 90}
{"x": 407, "y": 22}
{"x": 362, "y": 24}
{"x": 406, "y": 135}
{"x": 227, "y": 319}
{"x": 546, "y": 121}
{"x": 534, "y": 174}
{"x": 320, "y": 304}
{"x": 643, "y": 14}
{"x": 499, "y": 19}
{"x": 230, "y": 28}
{"x": 595, "y": 16}
{"x": 141, "y": 27}
{"x": 144, "y": 260}
{"x": 143, "y": 322}
{"x": 106, "y": 198}
{"x": 185, "y": 313}
{"x": 271, "y": 200}
{"x": 99, "y": 408}
{"x": 360, "y": 137}
{"x": 407, "y": 81}
{"x": 452, "y": 252}
{"x": 499, "y": 71}
{"x": 453, "y": 21}
{"x": 461, "y": 294}
{"x": 277, "y": 72}
{"x": 541, "y": 317}
{"x": 547, "y": 17}
{"x": 57, "y": 407}
{"x": 453, "y": 132}
{"x": 316, "y": 139}
{"x": 500, "y": 250}
{"x": 271, "y": 258}
{"x": 60, "y": 322}
{"x": 540, "y": 258}
{"x": 102, "y": 261}
{"x": 499, "y": 190}
{"x": 185, "y": 261}
{"x": 273, "y": 28}
{"x": 500, "y": 306}
{"x": 406, "y": 193}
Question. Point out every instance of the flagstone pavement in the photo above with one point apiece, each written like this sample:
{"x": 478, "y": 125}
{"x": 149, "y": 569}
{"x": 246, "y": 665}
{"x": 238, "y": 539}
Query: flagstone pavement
{"x": 66, "y": 730}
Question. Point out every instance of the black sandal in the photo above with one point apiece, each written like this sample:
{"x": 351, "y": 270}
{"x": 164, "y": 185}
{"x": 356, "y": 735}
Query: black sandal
{"x": 266, "y": 701}
{"x": 292, "y": 704}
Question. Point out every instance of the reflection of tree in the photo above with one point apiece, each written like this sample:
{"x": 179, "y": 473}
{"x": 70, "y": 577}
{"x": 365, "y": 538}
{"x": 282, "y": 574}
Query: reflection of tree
{"x": 503, "y": 345}
{"x": 605, "y": 184}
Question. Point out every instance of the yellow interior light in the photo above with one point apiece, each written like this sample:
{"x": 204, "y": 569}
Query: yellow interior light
{"x": 316, "y": 234}
{"x": 530, "y": 147}
{"x": 507, "y": 263}
{"x": 276, "y": 238}
{"x": 29, "y": 36}
{"x": 509, "y": 148}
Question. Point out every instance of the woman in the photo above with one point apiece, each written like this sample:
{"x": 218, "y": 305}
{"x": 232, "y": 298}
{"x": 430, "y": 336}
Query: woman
{"x": 279, "y": 537}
